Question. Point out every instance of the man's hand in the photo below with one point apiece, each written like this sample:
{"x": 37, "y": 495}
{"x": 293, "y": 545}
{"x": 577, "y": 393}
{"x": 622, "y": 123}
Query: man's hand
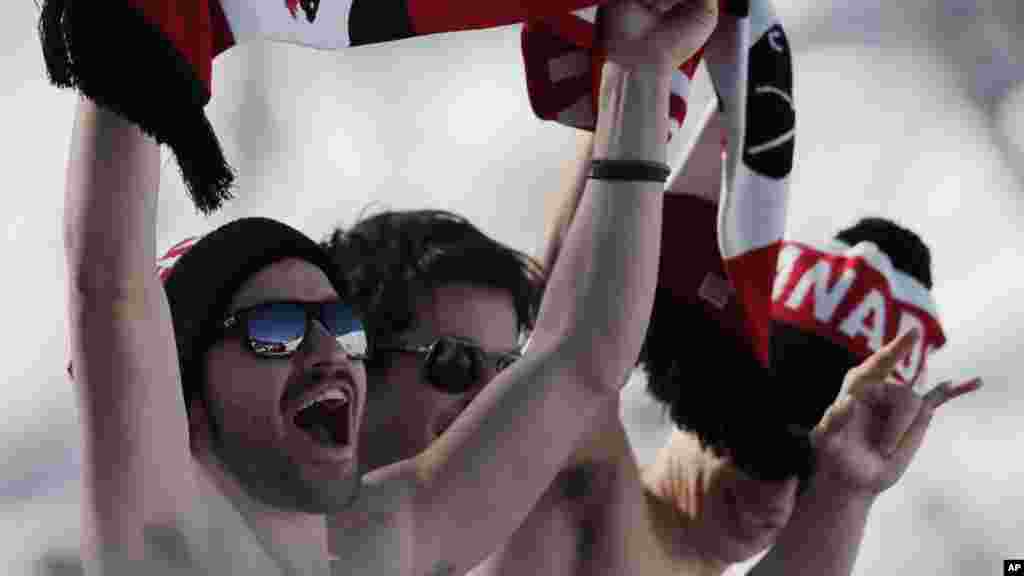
{"x": 870, "y": 434}
{"x": 658, "y": 35}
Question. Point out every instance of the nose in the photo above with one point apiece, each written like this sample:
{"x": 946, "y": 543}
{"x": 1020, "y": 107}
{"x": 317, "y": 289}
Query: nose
{"x": 321, "y": 347}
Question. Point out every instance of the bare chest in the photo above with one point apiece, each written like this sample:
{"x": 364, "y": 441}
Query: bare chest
{"x": 372, "y": 538}
{"x": 590, "y": 522}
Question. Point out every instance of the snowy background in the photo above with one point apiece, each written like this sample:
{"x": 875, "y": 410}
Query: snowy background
{"x": 913, "y": 110}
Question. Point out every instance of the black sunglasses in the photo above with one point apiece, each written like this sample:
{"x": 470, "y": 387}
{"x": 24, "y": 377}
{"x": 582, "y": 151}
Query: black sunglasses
{"x": 452, "y": 365}
{"x": 277, "y": 329}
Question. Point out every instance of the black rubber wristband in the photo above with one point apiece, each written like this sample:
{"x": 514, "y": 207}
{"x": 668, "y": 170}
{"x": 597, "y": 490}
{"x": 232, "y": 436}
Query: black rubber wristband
{"x": 629, "y": 170}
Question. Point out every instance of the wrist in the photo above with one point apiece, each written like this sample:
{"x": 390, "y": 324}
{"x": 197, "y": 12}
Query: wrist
{"x": 652, "y": 72}
{"x": 828, "y": 487}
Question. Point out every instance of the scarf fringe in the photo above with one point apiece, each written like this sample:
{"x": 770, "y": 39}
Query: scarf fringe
{"x": 55, "y": 48}
{"x": 113, "y": 56}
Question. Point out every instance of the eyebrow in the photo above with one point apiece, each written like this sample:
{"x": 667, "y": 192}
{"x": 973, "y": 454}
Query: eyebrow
{"x": 272, "y": 299}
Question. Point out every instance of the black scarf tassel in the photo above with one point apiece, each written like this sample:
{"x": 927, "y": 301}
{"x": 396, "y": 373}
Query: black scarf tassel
{"x": 109, "y": 53}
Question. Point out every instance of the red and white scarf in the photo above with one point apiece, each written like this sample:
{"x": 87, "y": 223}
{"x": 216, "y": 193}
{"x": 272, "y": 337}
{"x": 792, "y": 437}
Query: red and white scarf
{"x": 163, "y": 84}
{"x": 750, "y": 65}
{"x": 854, "y": 296}
{"x": 563, "y": 71}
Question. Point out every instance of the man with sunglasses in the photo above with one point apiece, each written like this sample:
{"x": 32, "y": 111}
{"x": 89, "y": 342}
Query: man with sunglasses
{"x": 221, "y": 412}
{"x": 446, "y": 308}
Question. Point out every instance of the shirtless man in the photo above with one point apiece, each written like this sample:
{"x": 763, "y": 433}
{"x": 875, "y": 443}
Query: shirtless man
{"x": 697, "y": 509}
{"x": 200, "y": 448}
{"x": 448, "y": 307}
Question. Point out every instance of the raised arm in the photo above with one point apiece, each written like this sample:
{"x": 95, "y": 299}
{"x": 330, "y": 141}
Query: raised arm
{"x": 666, "y": 480}
{"x": 864, "y": 444}
{"x": 136, "y": 469}
{"x": 698, "y": 174}
{"x": 563, "y": 202}
{"x": 476, "y": 484}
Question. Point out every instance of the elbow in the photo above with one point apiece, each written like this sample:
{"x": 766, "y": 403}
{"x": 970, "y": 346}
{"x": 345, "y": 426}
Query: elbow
{"x": 103, "y": 274}
{"x": 592, "y": 352}
{"x": 599, "y": 359}
{"x": 95, "y": 287}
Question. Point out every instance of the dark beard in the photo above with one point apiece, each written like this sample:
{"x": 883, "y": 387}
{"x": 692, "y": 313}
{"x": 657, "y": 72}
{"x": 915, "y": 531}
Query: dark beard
{"x": 272, "y": 478}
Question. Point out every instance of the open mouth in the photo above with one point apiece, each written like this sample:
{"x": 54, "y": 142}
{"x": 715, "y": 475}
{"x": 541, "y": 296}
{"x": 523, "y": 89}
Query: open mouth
{"x": 326, "y": 418}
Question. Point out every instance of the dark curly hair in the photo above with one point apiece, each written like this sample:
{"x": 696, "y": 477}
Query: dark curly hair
{"x": 389, "y": 260}
{"x": 908, "y": 253}
{"x": 758, "y": 416}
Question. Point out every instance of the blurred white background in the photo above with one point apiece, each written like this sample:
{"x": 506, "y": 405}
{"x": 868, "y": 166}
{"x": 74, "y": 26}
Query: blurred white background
{"x": 912, "y": 110}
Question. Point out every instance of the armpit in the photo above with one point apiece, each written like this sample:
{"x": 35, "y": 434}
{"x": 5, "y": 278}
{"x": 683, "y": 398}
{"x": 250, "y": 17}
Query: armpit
{"x": 442, "y": 568}
{"x": 166, "y": 546}
{"x": 59, "y": 563}
{"x": 167, "y": 554}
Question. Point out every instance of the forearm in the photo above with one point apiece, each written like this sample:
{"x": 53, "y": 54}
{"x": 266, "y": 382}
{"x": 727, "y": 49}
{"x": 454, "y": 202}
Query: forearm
{"x": 109, "y": 222}
{"x": 601, "y": 289}
{"x": 566, "y": 201}
{"x": 491, "y": 466}
{"x": 822, "y": 537}
{"x": 132, "y": 417}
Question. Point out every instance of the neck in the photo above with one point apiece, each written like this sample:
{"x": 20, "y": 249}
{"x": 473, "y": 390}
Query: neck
{"x": 296, "y": 541}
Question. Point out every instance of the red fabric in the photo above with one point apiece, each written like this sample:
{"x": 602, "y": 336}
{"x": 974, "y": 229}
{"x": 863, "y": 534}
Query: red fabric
{"x": 757, "y": 269}
{"x": 752, "y": 217}
{"x": 199, "y": 31}
{"x": 692, "y": 270}
{"x": 165, "y": 263}
{"x": 677, "y": 105}
{"x": 546, "y": 43}
{"x": 433, "y": 16}
{"x": 550, "y": 97}
{"x": 689, "y": 240}
{"x": 189, "y": 26}
{"x": 222, "y": 36}
{"x": 826, "y": 318}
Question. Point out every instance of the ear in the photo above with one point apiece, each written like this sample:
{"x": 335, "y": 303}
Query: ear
{"x": 200, "y": 435}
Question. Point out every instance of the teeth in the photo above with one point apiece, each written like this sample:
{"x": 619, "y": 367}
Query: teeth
{"x": 329, "y": 394}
